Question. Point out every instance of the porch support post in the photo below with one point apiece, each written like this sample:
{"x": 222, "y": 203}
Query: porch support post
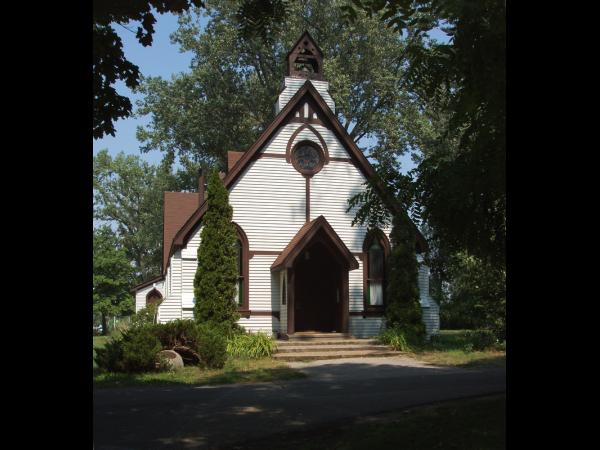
{"x": 345, "y": 302}
{"x": 290, "y": 301}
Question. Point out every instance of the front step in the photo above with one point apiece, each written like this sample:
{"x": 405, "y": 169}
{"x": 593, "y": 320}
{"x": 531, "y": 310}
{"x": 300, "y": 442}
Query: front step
{"x": 312, "y": 356}
{"x": 313, "y": 342}
{"x": 310, "y": 346}
{"x": 311, "y": 336}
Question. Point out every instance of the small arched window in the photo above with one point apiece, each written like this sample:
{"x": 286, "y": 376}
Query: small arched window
{"x": 375, "y": 250}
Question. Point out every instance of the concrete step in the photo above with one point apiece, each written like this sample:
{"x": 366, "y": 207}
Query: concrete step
{"x": 319, "y": 342}
{"x": 309, "y": 335}
{"x": 312, "y": 356}
{"x": 329, "y": 348}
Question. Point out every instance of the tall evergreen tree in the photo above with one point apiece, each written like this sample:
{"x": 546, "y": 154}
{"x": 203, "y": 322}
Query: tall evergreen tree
{"x": 403, "y": 309}
{"x": 216, "y": 276}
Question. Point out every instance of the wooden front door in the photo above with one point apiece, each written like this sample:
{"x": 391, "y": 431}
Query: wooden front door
{"x": 318, "y": 291}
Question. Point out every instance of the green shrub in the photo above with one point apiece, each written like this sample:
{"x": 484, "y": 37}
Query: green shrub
{"x": 481, "y": 339}
{"x": 178, "y": 332}
{"x": 250, "y": 345}
{"x": 140, "y": 346}
{"x": 213, "y": 345}
{"x": 110, "y": 357}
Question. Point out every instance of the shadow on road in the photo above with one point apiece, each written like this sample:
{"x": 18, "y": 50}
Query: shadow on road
{"x": 216, "y": 416}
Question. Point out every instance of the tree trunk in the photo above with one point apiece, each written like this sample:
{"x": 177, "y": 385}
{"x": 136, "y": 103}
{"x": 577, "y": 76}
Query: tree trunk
{"x": 104, "y": 325}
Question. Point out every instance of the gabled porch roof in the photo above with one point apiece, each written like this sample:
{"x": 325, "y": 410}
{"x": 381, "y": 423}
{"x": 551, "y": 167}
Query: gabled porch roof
{"x": 305, "y": 236}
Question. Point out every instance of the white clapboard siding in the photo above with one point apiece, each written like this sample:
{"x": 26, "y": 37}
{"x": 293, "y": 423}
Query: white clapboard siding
{"x": 268, "y": 202}
{"x": 191, "y": 248}
{"x": 293, "y": 84}
{"x": 355, "y": 285}
{"x": 263, "y": 286}
{"x": 170, "y": 308}
{"x": 330, "y": 190}
{"x": 430, "y": 309}
{"x": 334, "y": 146}
{"x": 187, "y": 313}
{"x": 365, "y": 327}
{"x": 140, "y": 296}
{"x": 188, "y": 272}
{"x": 266, "y": 324}
{"x": 279, "y": 141}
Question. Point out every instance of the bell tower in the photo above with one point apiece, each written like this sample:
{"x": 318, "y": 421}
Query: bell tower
{"x": 305, "y": 59}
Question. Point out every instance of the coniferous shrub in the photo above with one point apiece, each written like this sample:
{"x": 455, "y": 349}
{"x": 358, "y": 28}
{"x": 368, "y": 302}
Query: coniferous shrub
{"x": 403, "y": 308}
{"x": 216, "y": 277}
{"x": 110, "y": 357}
{"x": 213, "y": 345}
{"x": 140, "y": 348}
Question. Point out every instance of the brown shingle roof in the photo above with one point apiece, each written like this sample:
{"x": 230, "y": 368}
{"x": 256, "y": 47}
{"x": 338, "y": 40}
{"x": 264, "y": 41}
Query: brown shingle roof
{"x": 304, "y": 236}
{"x": 178, "y": 208}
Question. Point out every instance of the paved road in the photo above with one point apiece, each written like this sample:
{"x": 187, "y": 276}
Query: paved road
{"x": 207, "y": 417}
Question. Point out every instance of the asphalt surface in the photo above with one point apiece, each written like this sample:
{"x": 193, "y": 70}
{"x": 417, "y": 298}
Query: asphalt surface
{"x": 208, "y": 417}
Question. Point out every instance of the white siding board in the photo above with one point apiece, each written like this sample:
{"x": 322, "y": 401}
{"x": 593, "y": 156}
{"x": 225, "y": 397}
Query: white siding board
{"x": 330, "y": 190}
{"x": 363, "y": 327}
{"x": 292, "y": 85}
{"x": 170, "y": 308}
{"x": 263, "y": 285}
{"x": 355, "y": 286}
{"x": 269, "y": 203}
{"x": 191, "y": 248}
{"x": 266, "y": 324}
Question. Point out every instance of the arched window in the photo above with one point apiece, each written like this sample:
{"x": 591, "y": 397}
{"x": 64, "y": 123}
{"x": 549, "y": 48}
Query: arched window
{"x": 376, "y": 249}
{"x": 243, "y": 257}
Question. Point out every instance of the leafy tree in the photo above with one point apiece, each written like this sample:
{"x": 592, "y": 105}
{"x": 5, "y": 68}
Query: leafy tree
{"x": 110, "y": 64}
{"x": 477, "y": 294}
{"x": 216, "y": 276}
{"x": 227, "y": 99}
{"x": 462, "y": 187}
{"x": 403, "y": 309}
{"x": 128, "y": 194}
{"x": 112, "y": 277}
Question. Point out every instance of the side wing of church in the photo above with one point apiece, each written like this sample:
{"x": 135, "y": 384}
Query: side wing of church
{"x": 302, "y": 265}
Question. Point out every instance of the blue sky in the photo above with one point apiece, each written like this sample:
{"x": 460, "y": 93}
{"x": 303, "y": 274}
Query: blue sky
{"x": 160, "y": 59}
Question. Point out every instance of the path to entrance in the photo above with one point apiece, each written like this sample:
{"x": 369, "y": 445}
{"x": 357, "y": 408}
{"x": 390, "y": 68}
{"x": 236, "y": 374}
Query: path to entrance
{"x": 208, "y": 417}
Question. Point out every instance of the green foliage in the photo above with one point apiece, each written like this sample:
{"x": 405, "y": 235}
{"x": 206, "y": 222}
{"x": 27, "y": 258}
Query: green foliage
{"x": 134, "y": 352}
{"x": 481, "y": 339}
{"x": 403, "y": 309}
{"x": 235, "y": 80}
{"x": 397, "y": 338}
{"x": 140, "y": 348}
{"x": 250, "y": 345}
{"x": 216, "y": 276}
{"x": 183, "y": 332}
{"x": 213, "y": 345}
{"x": 110, "y": 357}
{"x": 112, "y": 277}
{"x": 145, "y": 316}
{"x": 109, "y": 62}
{"x": 475, "y": 295}
{"x": 128, "y": 194}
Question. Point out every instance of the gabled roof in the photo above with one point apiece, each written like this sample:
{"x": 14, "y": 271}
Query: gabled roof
{"x": 306, "y": 92}
{"x": 305, "y": 35}
{"x": 305, "y": 236}
{"x": 147, "y": 283}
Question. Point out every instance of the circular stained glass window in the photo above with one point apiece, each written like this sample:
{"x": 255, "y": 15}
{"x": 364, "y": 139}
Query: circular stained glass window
{"x": 307, "y": 158}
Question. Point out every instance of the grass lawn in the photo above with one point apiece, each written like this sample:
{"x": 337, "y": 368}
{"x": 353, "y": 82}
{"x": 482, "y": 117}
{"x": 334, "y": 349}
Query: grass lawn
{"x": 465, "y": 424}
{"x": 448, "y": 349}
{"x": 235, "y": 371}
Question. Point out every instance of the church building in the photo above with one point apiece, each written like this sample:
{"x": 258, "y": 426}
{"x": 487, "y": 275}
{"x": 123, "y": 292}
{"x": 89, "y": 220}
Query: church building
{"x": 302, "y": 265}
